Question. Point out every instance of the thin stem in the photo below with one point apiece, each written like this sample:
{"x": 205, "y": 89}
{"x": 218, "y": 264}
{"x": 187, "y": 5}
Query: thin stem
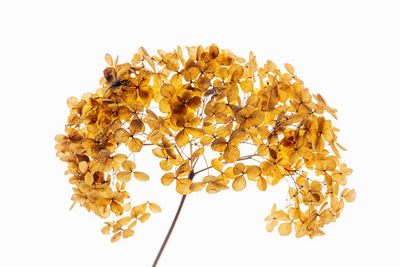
{"x": 170, "y": 231}
{"x": 203, "y": 169}
{"x": 177, "y": 149}
{"x": 247, "y": 157}
{"x": 171, "y": 228}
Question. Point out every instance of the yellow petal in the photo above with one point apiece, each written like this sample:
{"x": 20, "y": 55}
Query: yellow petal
{"x": 253, "y": 171}
{"x": 183, "y": 186}
{"x": 289, "y": 68}
{"x": 141, "y": 176}
{"x": 239, "y": 168}
{"x": 106, "y": 230}
{"x": 263, "y": 150}
{"x": 231, "y": 153}
{"x": 72, "y": 102}
{"x": 118, "y": 160}
{"x": 246, "y": 85}
{"x": 121, "y": 135}
{"x": 239, "y": 183}
{"x": 197, "y": 186}
{"x": 127, "y": 233}
{"x": 116, "y": 208}
{"x": 124, "y": 176}
{"x": 135, "y": 144}
{"x": 256, "y": 118}
{"x": 154, "y": 207}
{"x": 166, "y": 165}
{"x": 167, "y": 178}
{"x": 124, "y": 221}
{"x": 206, "y": 140}
{"x": 316, "y": 186}
{"x": 212, "y": 188}
{"x": 350, "y": 196}
{"x": 261, "y": 184}
{"x": 89, "y": 179}
{"x": 285, "y": 228}
{"x": 202, "y": 83}
{"x": 167, "y": 90}
{"x": 108, "y": 59}
{"x": 218, "y": 144}
{"x": 132, "y": 224}
{"x": 210, "y": 179}
{"x": 144, "y": 217}
{"x": 128, "y": 165}
{"x": 238, "y": 136}
{"x": 83, "y": 166}
{"x": 138, "y": 210}
{"x": 136, "y": 126}
{"x": 116, "y": 237}
{"x": 282, "y": 216}
{"x": 195, "y": 132}
{"x": 217, "y": 164}
{"x": 182, "y": 138}
{"x": 183, "y": 170}
{"x": 271, "y": 225}
{"x": 197, "y": 153}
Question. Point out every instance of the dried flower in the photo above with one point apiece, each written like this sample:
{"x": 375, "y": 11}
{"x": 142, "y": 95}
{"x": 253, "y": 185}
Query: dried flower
{"x": 211, "y": 109}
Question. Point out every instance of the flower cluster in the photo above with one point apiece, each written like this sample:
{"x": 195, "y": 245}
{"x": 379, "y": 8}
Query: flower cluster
{"x": 215, "y": 121}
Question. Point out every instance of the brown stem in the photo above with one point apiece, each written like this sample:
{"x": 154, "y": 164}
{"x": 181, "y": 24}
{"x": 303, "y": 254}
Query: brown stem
{"x": 171, "y": 228}
{"x": 170, "y": 231}
{"x": 203, "y": 169}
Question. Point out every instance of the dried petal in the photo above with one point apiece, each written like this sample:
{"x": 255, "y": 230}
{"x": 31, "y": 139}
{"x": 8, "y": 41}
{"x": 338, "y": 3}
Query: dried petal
{"x": 239, "y": 183}
{"x": 154, "y": 207}
{"x": 141, "y": 176}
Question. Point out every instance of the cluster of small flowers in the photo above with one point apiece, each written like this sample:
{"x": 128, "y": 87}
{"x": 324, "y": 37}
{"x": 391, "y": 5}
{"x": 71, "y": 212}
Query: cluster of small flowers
{"x": 212, "y": 103}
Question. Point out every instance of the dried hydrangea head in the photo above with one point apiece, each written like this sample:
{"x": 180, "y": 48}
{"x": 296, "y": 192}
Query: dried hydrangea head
{"x": 217, "y": 122}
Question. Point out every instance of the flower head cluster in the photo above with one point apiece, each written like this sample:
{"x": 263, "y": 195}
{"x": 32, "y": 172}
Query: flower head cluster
{"x": 219, "y": 122}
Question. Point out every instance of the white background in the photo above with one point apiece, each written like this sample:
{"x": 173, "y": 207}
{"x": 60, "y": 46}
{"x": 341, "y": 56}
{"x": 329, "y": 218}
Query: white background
{"x": 346, "y": 50}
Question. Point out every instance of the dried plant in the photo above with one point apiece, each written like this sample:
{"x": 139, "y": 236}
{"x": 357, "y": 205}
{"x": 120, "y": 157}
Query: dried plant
{"x": 218, "y": 122}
